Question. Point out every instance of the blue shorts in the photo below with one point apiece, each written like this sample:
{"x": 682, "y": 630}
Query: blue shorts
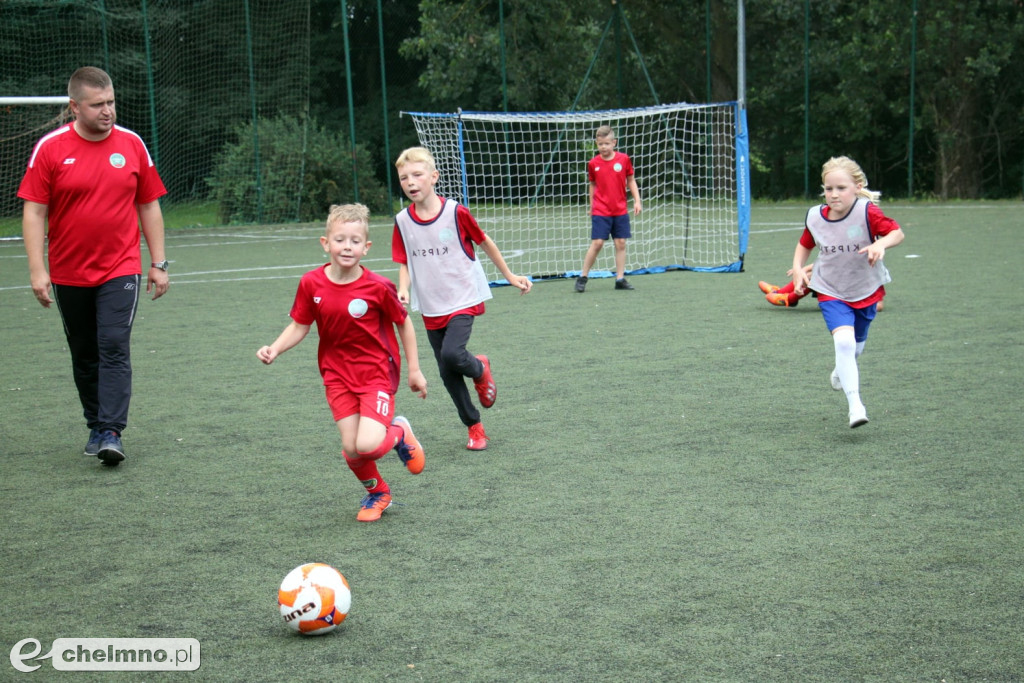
{"x": 603, "y": 227}
{"x": 841, "y": 314}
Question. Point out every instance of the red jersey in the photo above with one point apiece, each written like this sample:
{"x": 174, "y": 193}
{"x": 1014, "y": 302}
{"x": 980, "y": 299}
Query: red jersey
{"x": 356, "y": 324}
{"x": 91, "y": 190}
{"x": 878, "y": 225}
{"x": 609, "y": 178}
{"x": 469, "y": 234}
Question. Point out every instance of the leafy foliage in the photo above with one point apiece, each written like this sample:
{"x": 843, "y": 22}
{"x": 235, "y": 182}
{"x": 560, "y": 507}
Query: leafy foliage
{"x": 281, "y": 195}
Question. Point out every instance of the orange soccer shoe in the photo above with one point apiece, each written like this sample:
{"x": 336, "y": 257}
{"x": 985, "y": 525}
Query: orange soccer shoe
{"x": 485, "y": 387}
{"x": 767, "y": 288}
{"x": 409, "y": 449}
{"x": 477, "y": 438}
{"x": 373, "y": 506}
{"x": 780, "y": 299}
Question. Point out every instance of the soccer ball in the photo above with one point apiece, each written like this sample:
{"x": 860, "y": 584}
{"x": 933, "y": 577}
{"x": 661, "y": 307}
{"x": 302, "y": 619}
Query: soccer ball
{"x": 314, "y": 598}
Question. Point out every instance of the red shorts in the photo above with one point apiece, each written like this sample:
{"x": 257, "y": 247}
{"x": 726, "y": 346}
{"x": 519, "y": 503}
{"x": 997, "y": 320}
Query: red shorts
{"x": 376, "y": 405}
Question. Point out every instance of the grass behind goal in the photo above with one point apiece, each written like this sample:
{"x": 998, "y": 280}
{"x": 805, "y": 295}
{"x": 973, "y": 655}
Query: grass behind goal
{"x": 671, "y": 491}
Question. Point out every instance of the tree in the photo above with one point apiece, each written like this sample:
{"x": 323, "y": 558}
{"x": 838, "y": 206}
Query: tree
{"x": 969, "y": 61}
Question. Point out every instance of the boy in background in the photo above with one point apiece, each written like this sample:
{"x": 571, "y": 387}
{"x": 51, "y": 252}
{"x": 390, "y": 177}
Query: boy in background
{"x": 609, "y": 173}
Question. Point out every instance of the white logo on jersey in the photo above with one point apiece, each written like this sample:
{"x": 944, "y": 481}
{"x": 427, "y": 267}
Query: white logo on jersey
{"x": 316, "y": 299}
{"x": 357, "y": 308}
{"x": 69, "y": 161}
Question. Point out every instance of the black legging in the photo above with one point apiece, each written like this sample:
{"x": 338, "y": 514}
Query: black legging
{"x": 98, "y": 327}
{"x": 455, "y": 363}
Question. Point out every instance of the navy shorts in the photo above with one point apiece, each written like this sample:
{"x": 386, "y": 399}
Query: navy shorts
{"x": 603, "y": 227}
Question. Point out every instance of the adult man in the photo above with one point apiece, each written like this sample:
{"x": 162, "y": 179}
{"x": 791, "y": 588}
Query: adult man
{"x": 88, "y": 187}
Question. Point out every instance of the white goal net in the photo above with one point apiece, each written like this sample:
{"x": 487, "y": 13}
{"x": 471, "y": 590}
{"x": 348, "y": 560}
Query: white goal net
{"x": 524, "y": 177}
{"x": 23, "y": 120}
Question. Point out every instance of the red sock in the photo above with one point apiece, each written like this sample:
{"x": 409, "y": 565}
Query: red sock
{"x": 367, "y": 474}
{"x": 789, "y": 289}
{"x": 391, "y": 438}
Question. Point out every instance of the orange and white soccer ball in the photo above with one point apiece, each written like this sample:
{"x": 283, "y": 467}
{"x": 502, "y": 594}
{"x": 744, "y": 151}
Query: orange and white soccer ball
{"x": 314, "y": 598}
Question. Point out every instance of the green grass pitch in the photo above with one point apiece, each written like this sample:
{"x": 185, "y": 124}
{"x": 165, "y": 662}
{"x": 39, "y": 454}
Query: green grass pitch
{"x": 670, "y": 493}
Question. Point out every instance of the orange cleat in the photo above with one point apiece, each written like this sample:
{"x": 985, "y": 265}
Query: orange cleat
{"x": 373, "y": 506}
{"x": 477, "y": 438}
{"x": 767, "y": 288}
{"x": 485, "y": 387}
{"x": 778, "y": 299}
{"x": 409, "y": 449}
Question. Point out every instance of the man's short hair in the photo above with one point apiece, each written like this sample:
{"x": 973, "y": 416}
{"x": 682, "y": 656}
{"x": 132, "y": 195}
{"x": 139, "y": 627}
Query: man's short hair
{"x": 88, "y": 77}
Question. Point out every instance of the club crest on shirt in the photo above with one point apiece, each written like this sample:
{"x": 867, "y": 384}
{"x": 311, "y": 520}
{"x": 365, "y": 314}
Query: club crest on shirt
{"x": 854, "y": 231}
{"x": 117, "y": 160}
{"x": 617, "y": 167}
{"x": 357, "y": 308}
{"x": 446, "y": 235}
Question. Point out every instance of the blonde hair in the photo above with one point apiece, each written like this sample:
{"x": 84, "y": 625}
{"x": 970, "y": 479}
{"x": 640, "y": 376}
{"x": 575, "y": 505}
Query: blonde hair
{"x": 415, "y": 155}
{"x": 348, "y": 213}
{"x": 853, "y": 169}
{"x": 605, "y": 132}
{"x": 87, "y": 76}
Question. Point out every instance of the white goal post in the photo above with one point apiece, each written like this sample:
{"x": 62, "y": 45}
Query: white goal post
{"x": 523, "y": 175}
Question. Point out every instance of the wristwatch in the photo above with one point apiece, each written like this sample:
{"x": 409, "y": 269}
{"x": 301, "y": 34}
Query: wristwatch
{"x": 162, "y": 265}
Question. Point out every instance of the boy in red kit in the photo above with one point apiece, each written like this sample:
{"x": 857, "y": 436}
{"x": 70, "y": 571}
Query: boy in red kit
{"x": 439, "y": 274}
{"x": 785, "y": 295}
{"x": 609, "y": 173}
{"x": 356, "y": 313}
{"x": 851, "y": 235}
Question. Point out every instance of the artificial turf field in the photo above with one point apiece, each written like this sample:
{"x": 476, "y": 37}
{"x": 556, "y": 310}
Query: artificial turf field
{"x": 671, "y": 491}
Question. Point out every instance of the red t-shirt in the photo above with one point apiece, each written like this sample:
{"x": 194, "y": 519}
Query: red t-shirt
{"x": 91, "y": 190}
{"x": 470, "y": 234}
{"x": 356, "y": 324}
{"x": 609, "y": 178}
{"x": 878, "y": 225}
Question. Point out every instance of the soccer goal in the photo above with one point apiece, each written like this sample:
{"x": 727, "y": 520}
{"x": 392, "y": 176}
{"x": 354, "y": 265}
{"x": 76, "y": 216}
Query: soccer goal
{"x": 523, "y": 175}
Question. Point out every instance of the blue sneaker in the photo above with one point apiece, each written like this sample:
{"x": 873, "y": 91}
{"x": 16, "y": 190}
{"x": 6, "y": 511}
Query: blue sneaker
{"x": 92, "y": 446}
{"x": 111, "y": 452}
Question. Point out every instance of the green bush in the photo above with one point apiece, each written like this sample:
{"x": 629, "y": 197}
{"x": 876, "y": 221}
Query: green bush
{"x": 304, "y": 169}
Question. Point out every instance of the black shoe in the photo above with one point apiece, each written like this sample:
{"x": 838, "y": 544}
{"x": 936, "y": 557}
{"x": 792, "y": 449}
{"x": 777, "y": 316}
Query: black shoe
{"x": 623, "y": 284}
{"x": 581, "y": 284}
{"x": 92, "y": 447}
{"x": 111, "y": 452}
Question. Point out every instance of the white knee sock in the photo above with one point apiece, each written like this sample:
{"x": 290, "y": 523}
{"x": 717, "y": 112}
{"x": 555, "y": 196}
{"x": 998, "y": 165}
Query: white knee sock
{"x": 846, "y": 364}
{"x": 860, "y": 348}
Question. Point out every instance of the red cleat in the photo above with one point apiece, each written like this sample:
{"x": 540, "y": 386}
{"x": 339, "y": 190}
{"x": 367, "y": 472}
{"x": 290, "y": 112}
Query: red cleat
{"x": 477, "y": 438}
{"x": 485, "y": 387}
